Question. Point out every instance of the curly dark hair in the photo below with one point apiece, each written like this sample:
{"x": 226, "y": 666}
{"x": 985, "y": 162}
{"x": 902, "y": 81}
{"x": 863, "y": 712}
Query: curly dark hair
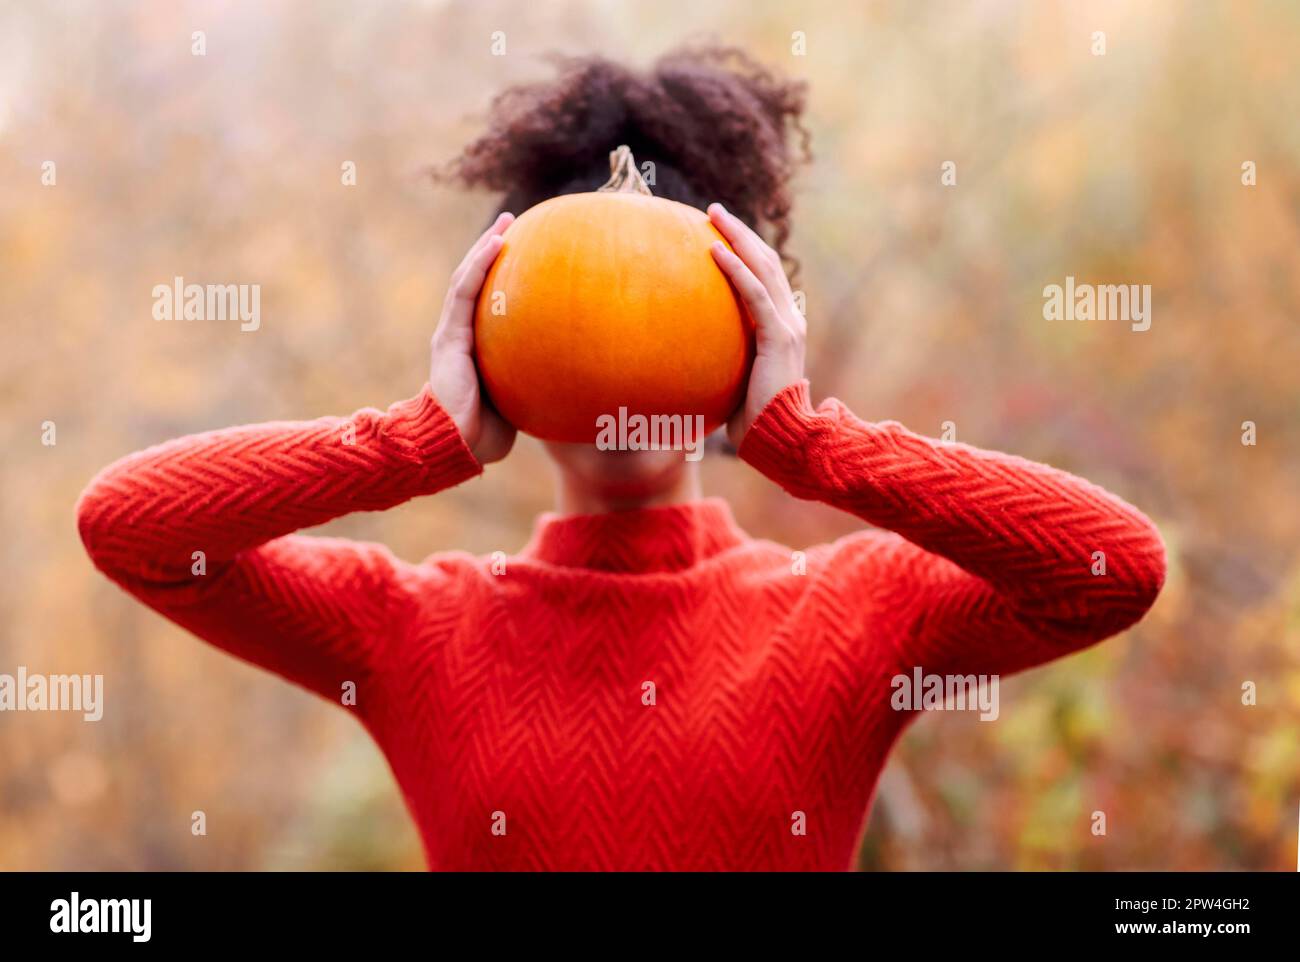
{"x": 715, "y": 123}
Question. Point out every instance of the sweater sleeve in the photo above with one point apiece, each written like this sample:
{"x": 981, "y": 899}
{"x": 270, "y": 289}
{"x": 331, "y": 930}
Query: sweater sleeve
{"x": 200, "y": 529}
{"x": 1006, "y": 563}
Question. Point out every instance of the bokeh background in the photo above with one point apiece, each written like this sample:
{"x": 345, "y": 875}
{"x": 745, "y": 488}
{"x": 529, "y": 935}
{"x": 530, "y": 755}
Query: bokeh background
{"x": 925, "y": 305}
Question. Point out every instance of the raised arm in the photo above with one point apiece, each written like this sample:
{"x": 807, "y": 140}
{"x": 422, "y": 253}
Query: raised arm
{"x": 1006, "y": 563}
{"x": 195, "y": 529}
{"x": 1010, "y": 563}
{"x": 200, "y": 528}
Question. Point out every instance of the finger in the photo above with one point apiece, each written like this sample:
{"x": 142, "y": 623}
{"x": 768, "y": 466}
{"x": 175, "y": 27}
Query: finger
{"x": 763, "y": 261}
{"x": 752, "y": 293}
{"x": 470, "y": 281}
{"x": 503, "y": 221}
{"x": 499, "y": 226}
{"x": 457, "y": 325}
{"x": 753, "y": 250}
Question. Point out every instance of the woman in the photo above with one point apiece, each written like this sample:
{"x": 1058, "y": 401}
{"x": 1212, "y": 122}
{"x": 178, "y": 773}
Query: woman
{"x": 643, "y": 686}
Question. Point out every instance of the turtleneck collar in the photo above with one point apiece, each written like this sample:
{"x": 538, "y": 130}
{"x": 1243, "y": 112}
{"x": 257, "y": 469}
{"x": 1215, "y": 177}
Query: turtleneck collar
{"x": 666, "y": 538}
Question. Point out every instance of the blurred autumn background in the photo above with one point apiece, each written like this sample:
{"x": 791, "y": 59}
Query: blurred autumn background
{"x": 925, "y": 305}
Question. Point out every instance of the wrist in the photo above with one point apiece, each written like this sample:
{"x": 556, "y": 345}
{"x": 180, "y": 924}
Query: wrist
{"x": 429, "y": 435}
{"x": 785, "y": 434}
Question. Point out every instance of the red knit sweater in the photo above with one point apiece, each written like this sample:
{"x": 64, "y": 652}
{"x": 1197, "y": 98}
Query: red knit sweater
{"x": 644, "y": 690}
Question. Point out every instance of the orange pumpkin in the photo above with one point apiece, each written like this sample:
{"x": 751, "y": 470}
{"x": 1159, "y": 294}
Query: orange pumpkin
{"x": 609, "y": 300}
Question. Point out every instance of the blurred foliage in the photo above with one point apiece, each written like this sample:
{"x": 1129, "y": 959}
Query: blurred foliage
{"x": 924, "y": 304}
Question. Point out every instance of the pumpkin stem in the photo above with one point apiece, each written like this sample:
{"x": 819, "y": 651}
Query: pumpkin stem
{"x": 624, "y": 177}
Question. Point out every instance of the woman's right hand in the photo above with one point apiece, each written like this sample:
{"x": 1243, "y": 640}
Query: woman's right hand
{"x": 453, "y": 376}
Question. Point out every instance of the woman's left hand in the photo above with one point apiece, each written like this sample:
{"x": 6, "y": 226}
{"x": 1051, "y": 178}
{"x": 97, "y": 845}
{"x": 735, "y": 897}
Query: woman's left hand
{"x": 780, "y": 331}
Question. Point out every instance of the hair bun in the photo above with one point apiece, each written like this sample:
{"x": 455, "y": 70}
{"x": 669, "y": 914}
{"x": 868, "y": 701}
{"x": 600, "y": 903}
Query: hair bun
{"x": 716, "y": 124}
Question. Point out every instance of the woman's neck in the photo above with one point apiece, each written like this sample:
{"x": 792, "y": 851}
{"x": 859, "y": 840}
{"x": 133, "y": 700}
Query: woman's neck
{"x": 576, "y": 496}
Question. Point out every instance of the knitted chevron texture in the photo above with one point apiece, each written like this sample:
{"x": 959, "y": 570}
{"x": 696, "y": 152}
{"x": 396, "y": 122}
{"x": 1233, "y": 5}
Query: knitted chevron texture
{"x": 643, "y": 690}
